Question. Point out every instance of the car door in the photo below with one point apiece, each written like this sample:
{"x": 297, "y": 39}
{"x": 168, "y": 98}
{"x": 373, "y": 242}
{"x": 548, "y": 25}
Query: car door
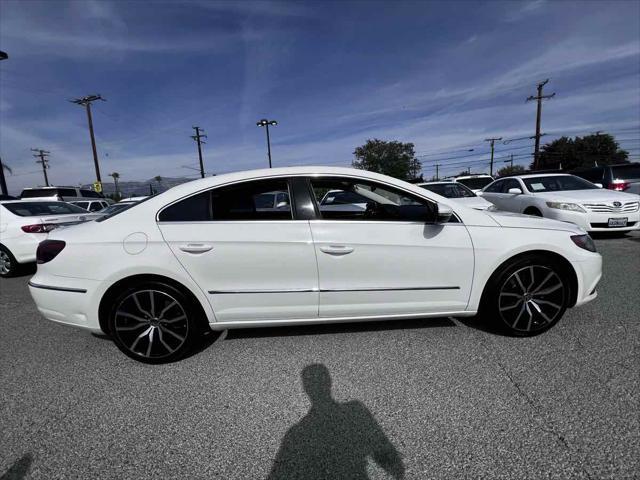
{"x": 254, "y": 262}
{"x": 384, "y": 259}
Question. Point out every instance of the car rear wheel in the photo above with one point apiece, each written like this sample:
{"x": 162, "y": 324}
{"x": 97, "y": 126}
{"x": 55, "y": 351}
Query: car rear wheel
{"x": 8, "y": 264}
{"x": 528, "y": 297}
{"x": 153, "y": 323}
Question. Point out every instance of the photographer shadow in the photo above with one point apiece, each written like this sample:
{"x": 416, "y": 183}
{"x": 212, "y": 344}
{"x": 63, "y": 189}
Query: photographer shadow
{"x": 334, "y": 440}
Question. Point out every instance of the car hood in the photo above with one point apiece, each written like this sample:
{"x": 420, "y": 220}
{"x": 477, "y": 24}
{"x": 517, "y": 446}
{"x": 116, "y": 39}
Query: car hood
{"x": 588, "y": 196}
{"x": 517, "y": 220}
{"x": 472, "y": 202}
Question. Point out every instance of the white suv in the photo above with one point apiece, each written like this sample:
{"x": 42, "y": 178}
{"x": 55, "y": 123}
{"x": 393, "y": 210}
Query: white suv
{"x": 65, "y": 194}
{"x": 92, "y": 205}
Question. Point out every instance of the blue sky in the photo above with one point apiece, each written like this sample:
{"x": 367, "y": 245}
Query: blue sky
{"x": 443, "y": 75}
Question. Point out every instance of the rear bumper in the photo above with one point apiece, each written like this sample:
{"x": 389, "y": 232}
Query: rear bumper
{"x": 67, "y": 301}
{"x": 24, "y": 247}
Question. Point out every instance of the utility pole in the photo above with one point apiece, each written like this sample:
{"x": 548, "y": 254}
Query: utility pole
{"x": 198, "y": 138}
{"x": 493, "y": 141}
{"x": 86, "y": 102}
{"x": 539, "y": 97}
{"x": 510, "y": 162}
{"x": 3, "y": 181}
{"x": 437, "y": 171}
{"x": 42, "y": 155}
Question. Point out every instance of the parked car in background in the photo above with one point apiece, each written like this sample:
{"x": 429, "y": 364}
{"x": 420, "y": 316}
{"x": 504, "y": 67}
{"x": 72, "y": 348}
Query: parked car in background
{"x": 64, "y": 194}
{"x": 91, "y": 205}
{"x": 23, "y": 225}
{"x": 474, "y": 182}
{"x": 567, "y": 198}
{"x": 208, "y": 255}
{"x": 623, "y": 177}
{"x": 121, "y": 205}
{"x": 458, "y": 192}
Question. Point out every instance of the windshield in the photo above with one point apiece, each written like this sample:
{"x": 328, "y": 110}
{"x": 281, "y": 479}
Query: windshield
{"x": 450, "y": 190}
{"x": 33, "y": 209}
{"x": 557, "y": 183}
{"x": 477, "y": 183}
{"x": 626, "y": 172}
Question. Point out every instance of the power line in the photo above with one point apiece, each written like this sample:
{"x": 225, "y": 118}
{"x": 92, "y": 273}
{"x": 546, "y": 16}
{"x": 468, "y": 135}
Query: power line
{"x": 42, "y": 155}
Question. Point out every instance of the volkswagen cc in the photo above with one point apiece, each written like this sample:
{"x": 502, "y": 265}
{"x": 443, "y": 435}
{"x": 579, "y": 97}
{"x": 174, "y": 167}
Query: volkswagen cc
{"x": 212, "y": 254}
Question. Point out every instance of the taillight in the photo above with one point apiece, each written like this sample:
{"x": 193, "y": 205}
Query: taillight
{"x": 48, "y": 250}
{"x": 619, "y": 185}
{"x": 38, "y": 228}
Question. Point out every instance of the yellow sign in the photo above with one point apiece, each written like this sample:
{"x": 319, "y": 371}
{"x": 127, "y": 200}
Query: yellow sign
{"x": 97, "y": 187}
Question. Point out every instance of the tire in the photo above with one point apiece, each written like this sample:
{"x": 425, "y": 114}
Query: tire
{"x": 154, "y": 322}
{"x": 9, "y": 266}
{"x": 533, "y": 212}
{"x": 527, "y": 296}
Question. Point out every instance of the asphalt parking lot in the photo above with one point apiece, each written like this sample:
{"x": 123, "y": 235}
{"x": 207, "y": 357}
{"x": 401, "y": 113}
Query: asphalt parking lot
{"x": 416, "y": 399}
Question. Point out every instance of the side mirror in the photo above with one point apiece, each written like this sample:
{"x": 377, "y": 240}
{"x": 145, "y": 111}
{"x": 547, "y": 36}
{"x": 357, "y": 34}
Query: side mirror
{"x": 515, "y": 191}
{"x": 444, "y": 213}
{"x": 599, "y": 185}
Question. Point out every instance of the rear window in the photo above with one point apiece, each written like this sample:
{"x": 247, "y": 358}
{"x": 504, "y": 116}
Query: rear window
{"x": 476, "y": 183}
{"x": 450, "y": 190}
{"x": 33, "y": 209}
{"x": 626, "y": 172}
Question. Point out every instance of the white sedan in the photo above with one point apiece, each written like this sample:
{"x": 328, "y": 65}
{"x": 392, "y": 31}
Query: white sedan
{"x": 203, "y": 255}
{"x": 460, "y": 193}
{"x": 24, "y": 224}
{"x": 567, "y": 198}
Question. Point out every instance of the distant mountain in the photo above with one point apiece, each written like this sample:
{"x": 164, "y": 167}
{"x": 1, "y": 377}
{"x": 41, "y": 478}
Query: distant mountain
{"x": 141, "y": 188}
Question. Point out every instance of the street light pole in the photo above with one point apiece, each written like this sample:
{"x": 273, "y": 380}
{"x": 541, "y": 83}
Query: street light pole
{"x": 265, "y": 123}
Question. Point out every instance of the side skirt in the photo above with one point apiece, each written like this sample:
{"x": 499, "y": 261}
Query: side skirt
{"x": 321, "y": 320}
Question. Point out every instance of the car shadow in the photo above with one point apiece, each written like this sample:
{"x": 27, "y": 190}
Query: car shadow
{"x": 19, "y": 469}
{"x": 334, "y": 440}
{"x": 337, "y": 328}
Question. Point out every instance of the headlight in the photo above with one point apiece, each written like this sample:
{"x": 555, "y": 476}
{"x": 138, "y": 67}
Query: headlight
{"x": 584, "y": 241}
{"x": 574, "y": 207}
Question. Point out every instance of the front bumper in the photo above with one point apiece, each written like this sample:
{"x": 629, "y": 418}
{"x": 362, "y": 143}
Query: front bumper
{"x": 68, "y": 301}
{"x": 595, "y": 222}
{"x": 589, "y": 273}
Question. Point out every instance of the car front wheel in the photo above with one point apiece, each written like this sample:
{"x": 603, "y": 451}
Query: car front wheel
{"x": 153, "y": 323}
{"x": 529, "y": 296}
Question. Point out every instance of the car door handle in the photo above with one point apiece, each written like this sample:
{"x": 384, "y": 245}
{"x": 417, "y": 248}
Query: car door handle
{"x": 196, "y": 247}
{"x": 336, "y": 249}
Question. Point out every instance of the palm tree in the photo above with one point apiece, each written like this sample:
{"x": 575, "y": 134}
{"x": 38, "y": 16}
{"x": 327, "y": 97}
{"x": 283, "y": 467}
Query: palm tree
{"x": 116, "y": 177}
{"x": 158, "y": 179}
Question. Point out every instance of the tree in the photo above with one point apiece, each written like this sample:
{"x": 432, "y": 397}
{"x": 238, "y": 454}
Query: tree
{"x": 570, "y": 153}
{"x": 504, "y": 171}
{"x": 394, "y": 158}
{"x": 116, "y": 177}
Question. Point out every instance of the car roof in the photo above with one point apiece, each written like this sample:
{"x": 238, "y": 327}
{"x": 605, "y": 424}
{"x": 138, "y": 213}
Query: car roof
{"x": 530, "y": 175}
{"x": 440, "y": 182}
{"x": 481, "y": 175}
{"x": 51, "y": 188}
